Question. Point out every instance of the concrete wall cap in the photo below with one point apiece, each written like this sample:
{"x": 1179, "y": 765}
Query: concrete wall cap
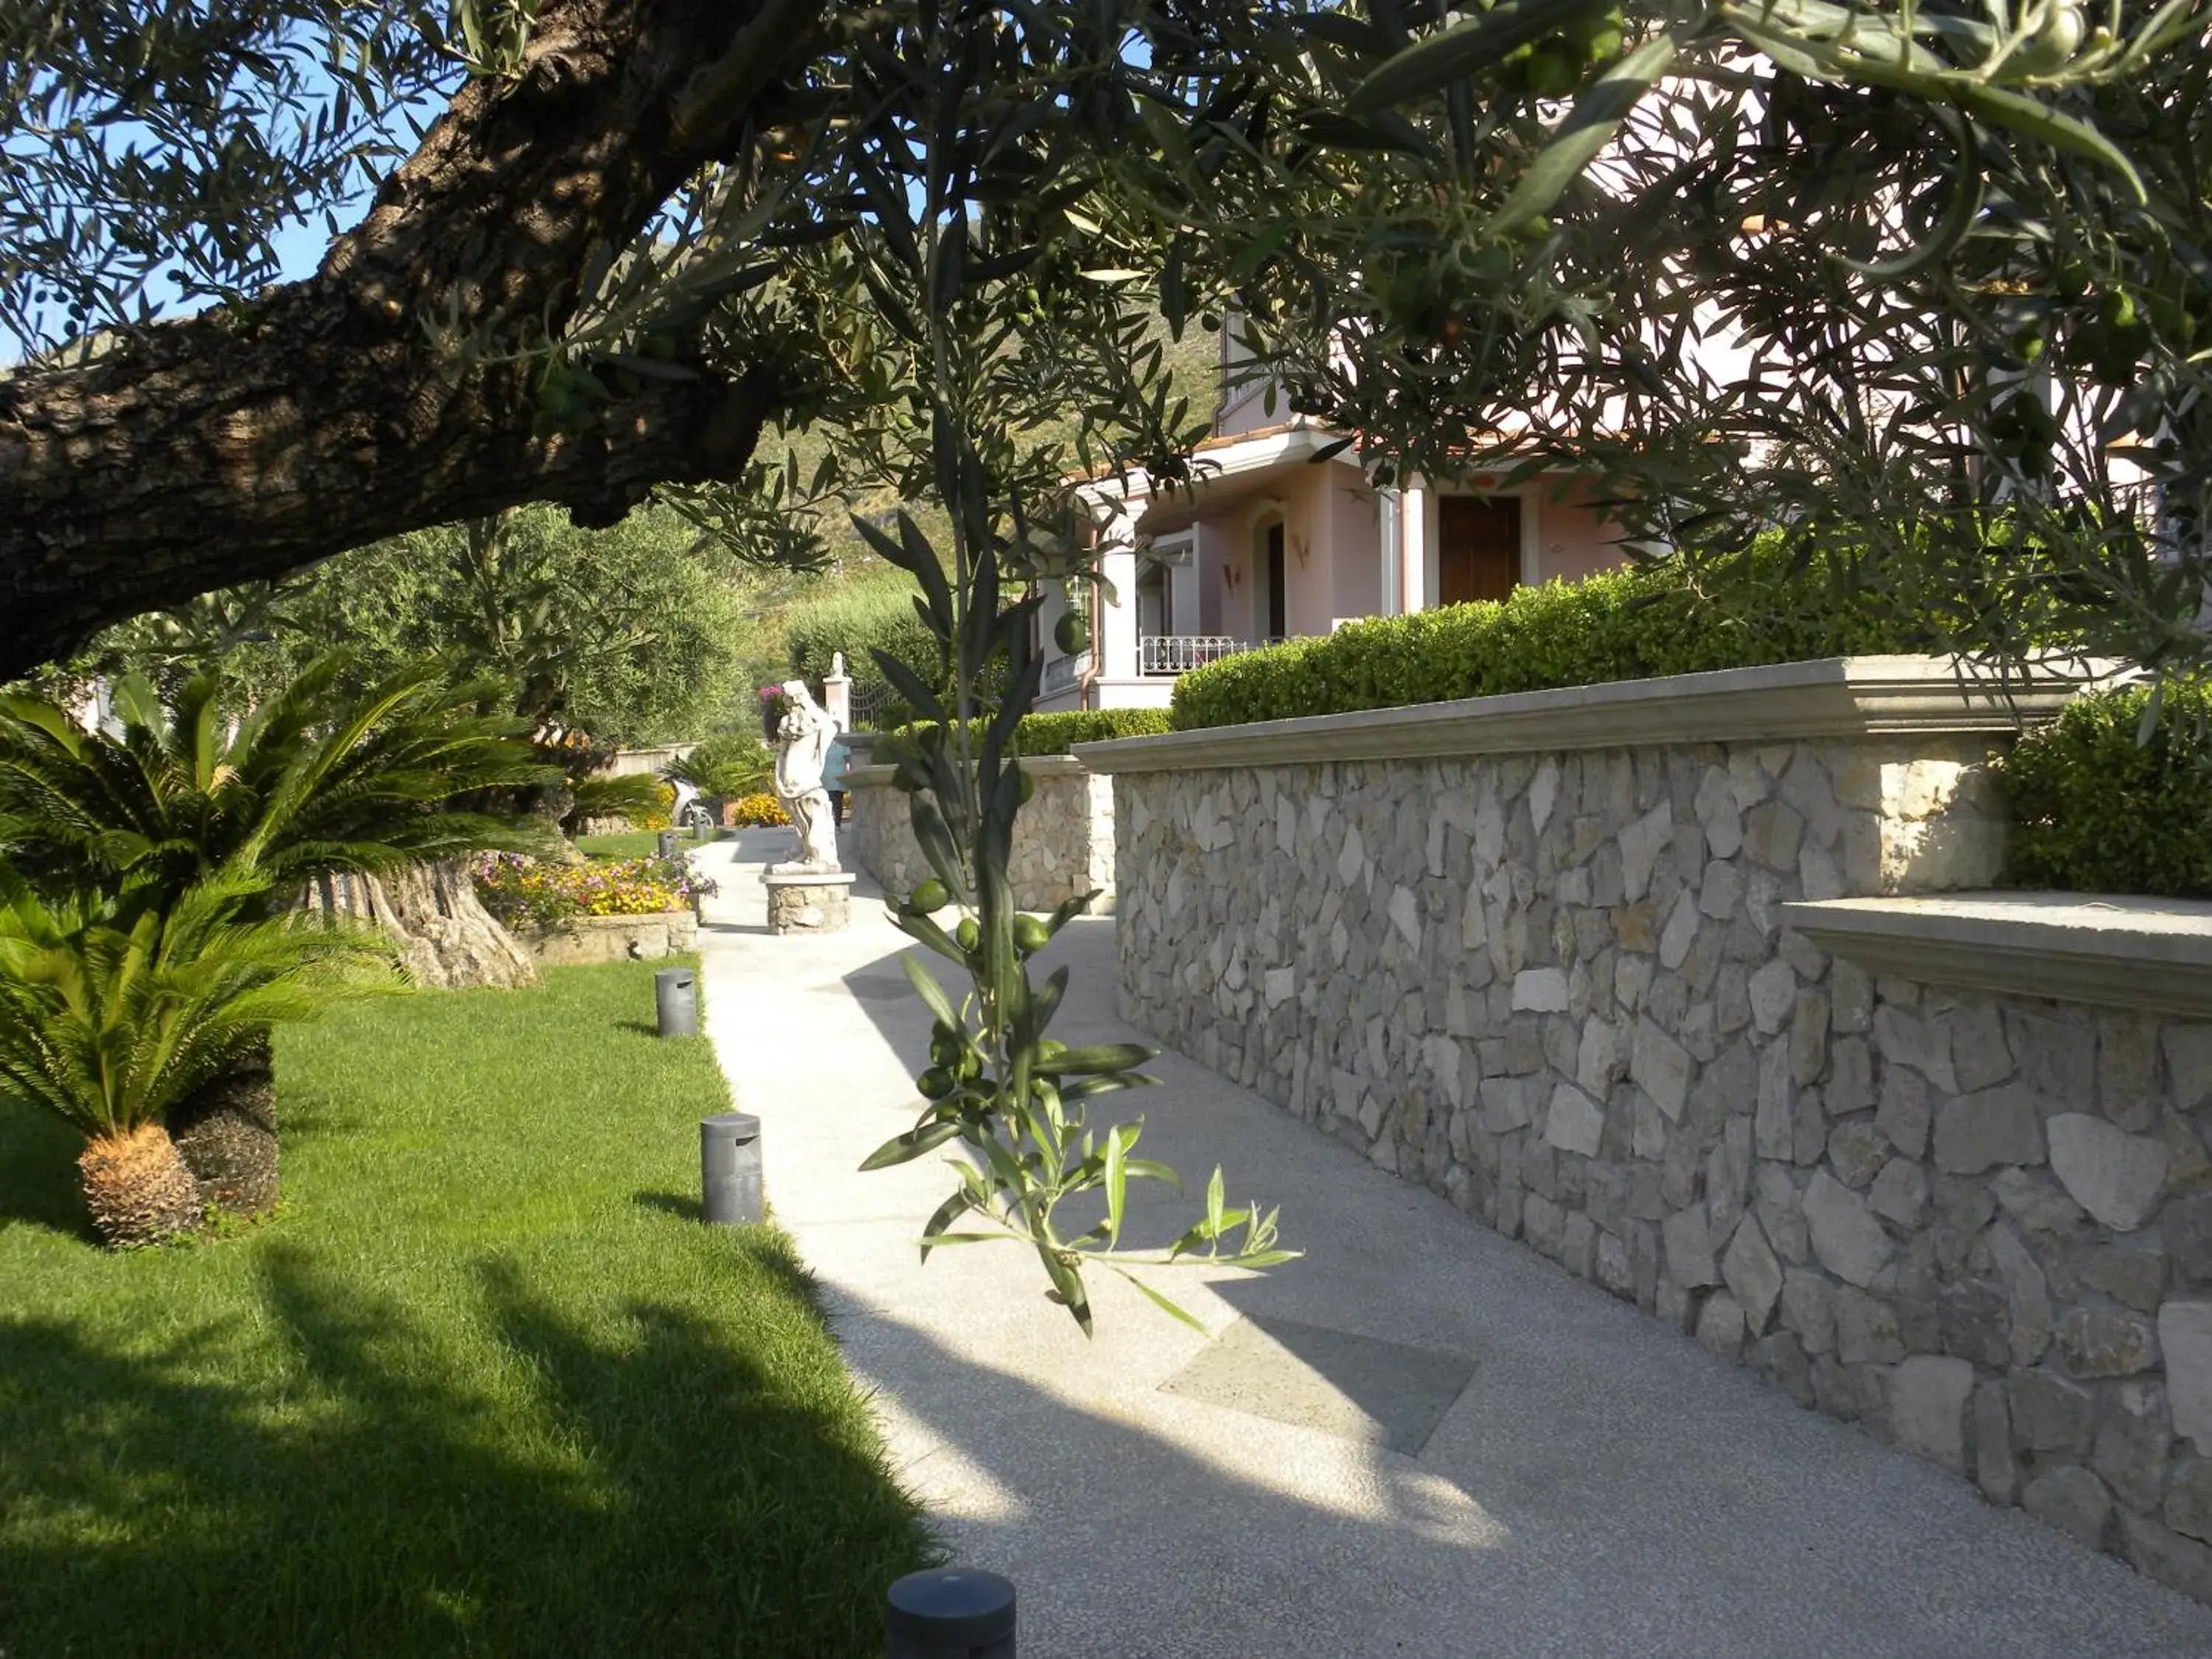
{"x": 2118, "y": 951}
{"x": 1832, "y": 697}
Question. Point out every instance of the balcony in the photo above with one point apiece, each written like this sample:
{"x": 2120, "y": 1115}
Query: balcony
{"x": 1178, "y": 653}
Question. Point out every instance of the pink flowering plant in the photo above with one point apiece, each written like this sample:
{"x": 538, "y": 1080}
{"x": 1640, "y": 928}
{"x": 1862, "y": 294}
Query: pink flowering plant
{"x": 525, "y": 891}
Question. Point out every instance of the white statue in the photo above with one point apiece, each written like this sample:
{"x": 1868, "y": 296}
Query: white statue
{"x": 803, "y": 737}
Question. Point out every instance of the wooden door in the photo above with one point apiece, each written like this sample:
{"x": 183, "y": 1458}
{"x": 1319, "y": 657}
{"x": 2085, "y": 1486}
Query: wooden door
{"x": 1478, "y": 548}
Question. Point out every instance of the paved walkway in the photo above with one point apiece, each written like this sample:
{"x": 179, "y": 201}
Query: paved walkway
{"x": 1547, "y": 1471}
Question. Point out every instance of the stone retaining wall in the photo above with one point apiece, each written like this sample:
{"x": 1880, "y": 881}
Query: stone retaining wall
{"x": 1063, "y": 838}
{"x": 586, "y": 939}
{"x": 1557, "y": 986}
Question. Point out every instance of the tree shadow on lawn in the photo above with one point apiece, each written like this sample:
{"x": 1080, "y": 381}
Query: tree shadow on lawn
{"x": 655, "y": 1483}
{"x": 37, "y": 1171}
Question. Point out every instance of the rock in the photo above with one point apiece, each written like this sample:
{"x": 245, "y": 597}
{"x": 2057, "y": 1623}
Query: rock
{"x": 1506, "y": 1102}
{"x": 1661, "y": 1068}
{"x": 1906, "y": 1039}
{"x": 1282, "y": 984}
{"x": 1573, "y": 1123}
{"x": 2114, "y": 1175}
{"x": 1808, "y": 1308}
{"x": 1540, "y": 990}
{"x": 2049, "y": 1413}
{"x": 1752, "y": 1275}
{"x": 2131, "y": 1444}
{"x": 2185, "y": 1334}
{"x": 2097, "y": 1342}
{"x": 2072, "y": 1500}
{"x": 1689, "y": 1248}
{"x": 2188, "y": 1225}
{"x": 2173, "y": 1561}
{"x": 1846, "y": 1238}
{"x": 1597, "y": 1057}
{"x": 1851, "y": 1077}
{"x": 1781, "y": 1211}
{"x": 1640, "y": 845}
{"x": 1720, "y": 1327}
{"x": 1773, "y": 994}
{"x": 1808, "y": 1039}
{"x": 1857, "y": 1149}
{"x": 1676, "y": 1308}
{"x": 1852, "y": 1393}
{"x": 2027, "y": 1295}
{"x": 1771, "y": 833}
{"x": 1928, "y": 1399}
{"x": 1717, "y": 814}
{"x": 1866, "y": 1329}
{"x": 1902, "y": 1114}
{"x": 2188, "y": 1064}
{"x": 2036, "y": 1204}
{"x": 2189, "y": 1500}
{"x": 1719, "y": 893}
{"x": 1900, "y": 1193}
{"x": 1680, "y": 932}
{"x": 1997, "y": 1472}
{"x": 1780, "y": 1358}
{"x": 1998, "y": 1126}
{"x": 1971, "y": 1316}
{"x": 1978, "y": 1054}
{"x": 1774, "y": 1124}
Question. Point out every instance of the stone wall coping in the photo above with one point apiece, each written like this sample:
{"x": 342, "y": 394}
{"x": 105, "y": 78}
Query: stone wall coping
{"x": 1833, "y": 697}
{"x": 810, "y": 878}
{"x": 1037, "y": 766}
{"x": 611, "y": 924}
{"x": 2119, "y": 951}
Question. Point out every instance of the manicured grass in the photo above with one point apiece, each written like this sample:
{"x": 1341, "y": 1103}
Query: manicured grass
{"x": 624, "y": 843}
{"x": 484, "y": 1385}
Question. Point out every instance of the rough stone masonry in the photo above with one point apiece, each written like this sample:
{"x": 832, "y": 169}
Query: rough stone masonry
{"x": 1557, "y": 989}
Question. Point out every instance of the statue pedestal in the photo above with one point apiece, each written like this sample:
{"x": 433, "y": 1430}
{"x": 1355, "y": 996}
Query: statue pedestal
{"x": 809, "y": 900}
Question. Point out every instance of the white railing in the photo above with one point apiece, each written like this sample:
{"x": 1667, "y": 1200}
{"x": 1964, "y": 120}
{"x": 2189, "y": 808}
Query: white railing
{"x": 1178, "y": 653}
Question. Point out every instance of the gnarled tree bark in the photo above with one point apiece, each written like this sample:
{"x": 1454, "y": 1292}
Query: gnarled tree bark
{"x": 231, "y": 445}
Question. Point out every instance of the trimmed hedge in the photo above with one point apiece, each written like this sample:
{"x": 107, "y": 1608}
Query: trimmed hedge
{"x": 1051, "y": 734}
{"x": 1634, "y": 623}
{"x": 2095, "y": 811}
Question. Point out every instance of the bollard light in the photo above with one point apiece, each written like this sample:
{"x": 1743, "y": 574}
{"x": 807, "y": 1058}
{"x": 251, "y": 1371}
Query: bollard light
{"x": 676, "y": 1002}
{"x": 667, "y": 843}
{"x": 729, "y": 1170}
{"x": 953, "y": 1613}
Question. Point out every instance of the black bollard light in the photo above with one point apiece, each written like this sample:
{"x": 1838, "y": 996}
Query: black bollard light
{"x": 729, "y": 1170}
{"x": 676, "y": 1002}
{"x": 953, "y": 1613}
{"x": 667, "y": 843}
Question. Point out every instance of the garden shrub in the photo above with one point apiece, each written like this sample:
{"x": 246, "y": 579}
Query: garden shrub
{"x": 1040, "y": 735}
{"x": 521, "y": 891}
{"x": 1634, "y": 623}
{"x": 2094, "y": 811}
{"x": 755, "y": 812}
{"x": 728, "y": 766}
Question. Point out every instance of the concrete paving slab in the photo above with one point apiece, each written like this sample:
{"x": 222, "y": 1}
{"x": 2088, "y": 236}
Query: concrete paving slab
{"x": 1599, "y": 1486}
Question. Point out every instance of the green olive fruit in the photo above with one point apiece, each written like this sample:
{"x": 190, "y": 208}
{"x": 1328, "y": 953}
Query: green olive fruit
{"x": 968, "y": 935}
{"x": 2027, "y": 344}
{"x": 935, "y": 1083}
{"x": 2071, "y": 279}
{"x": 1030, "y": 935}
{"x": 1072, "y": 632}
{"x": 1551, "y": 75}
{"x": 947, "y": 1051}
{"x": 931, "y": 895}
{"x": 2116, "y": 310}
{"x": 2053, "y": 46}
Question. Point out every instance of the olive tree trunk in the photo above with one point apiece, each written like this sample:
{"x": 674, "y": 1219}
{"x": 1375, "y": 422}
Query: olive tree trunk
{"x": 447, "y": 939}
{"x": 253, "y": 439}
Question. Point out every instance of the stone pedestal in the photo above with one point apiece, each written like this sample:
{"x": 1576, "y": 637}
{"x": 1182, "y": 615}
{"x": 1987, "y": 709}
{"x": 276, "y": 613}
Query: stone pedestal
{"x": 809, "y": 902}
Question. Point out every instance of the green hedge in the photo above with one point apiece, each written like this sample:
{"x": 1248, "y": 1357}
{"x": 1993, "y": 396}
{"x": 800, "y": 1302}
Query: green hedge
{"x": 1626, "y": 624}
{"x": 2094, "y": 810}
{"x": 1054, "y": 734}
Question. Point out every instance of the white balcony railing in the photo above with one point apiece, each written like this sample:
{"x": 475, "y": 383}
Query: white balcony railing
{"x": 1178, "y": 653}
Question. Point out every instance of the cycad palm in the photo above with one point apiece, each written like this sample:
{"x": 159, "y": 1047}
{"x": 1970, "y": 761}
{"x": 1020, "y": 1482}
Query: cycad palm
{"x": 113, "y": 1007}
{"x": 312, "y": 782}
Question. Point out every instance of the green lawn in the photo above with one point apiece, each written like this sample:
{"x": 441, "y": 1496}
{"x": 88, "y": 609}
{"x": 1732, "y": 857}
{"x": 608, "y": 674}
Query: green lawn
{"x": 626, "y": 843}
{"x": 484, "y": 1385}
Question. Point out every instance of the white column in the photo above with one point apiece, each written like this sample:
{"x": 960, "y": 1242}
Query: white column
{"x": 1390, "y": 527}
{"x": 837, "y": 692}
{"x": 1413, "y": 546}
{"x": 1117, "y": 622}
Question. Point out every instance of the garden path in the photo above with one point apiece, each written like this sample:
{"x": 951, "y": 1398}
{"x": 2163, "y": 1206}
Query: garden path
{"x": 1418, "y": 1440}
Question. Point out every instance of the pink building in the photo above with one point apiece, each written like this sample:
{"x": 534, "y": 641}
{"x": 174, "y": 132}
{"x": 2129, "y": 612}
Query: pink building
{"x": 1265, "y": 544}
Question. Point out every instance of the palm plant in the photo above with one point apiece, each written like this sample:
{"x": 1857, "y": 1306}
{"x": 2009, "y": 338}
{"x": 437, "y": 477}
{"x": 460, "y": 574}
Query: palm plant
{"x": 315, "y": 781}
{"x": 115, "y": 1006}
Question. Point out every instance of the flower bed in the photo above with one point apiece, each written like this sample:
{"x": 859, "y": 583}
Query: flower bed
{"x": 757, "y": 811}
{"x": 530, "y": 892}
